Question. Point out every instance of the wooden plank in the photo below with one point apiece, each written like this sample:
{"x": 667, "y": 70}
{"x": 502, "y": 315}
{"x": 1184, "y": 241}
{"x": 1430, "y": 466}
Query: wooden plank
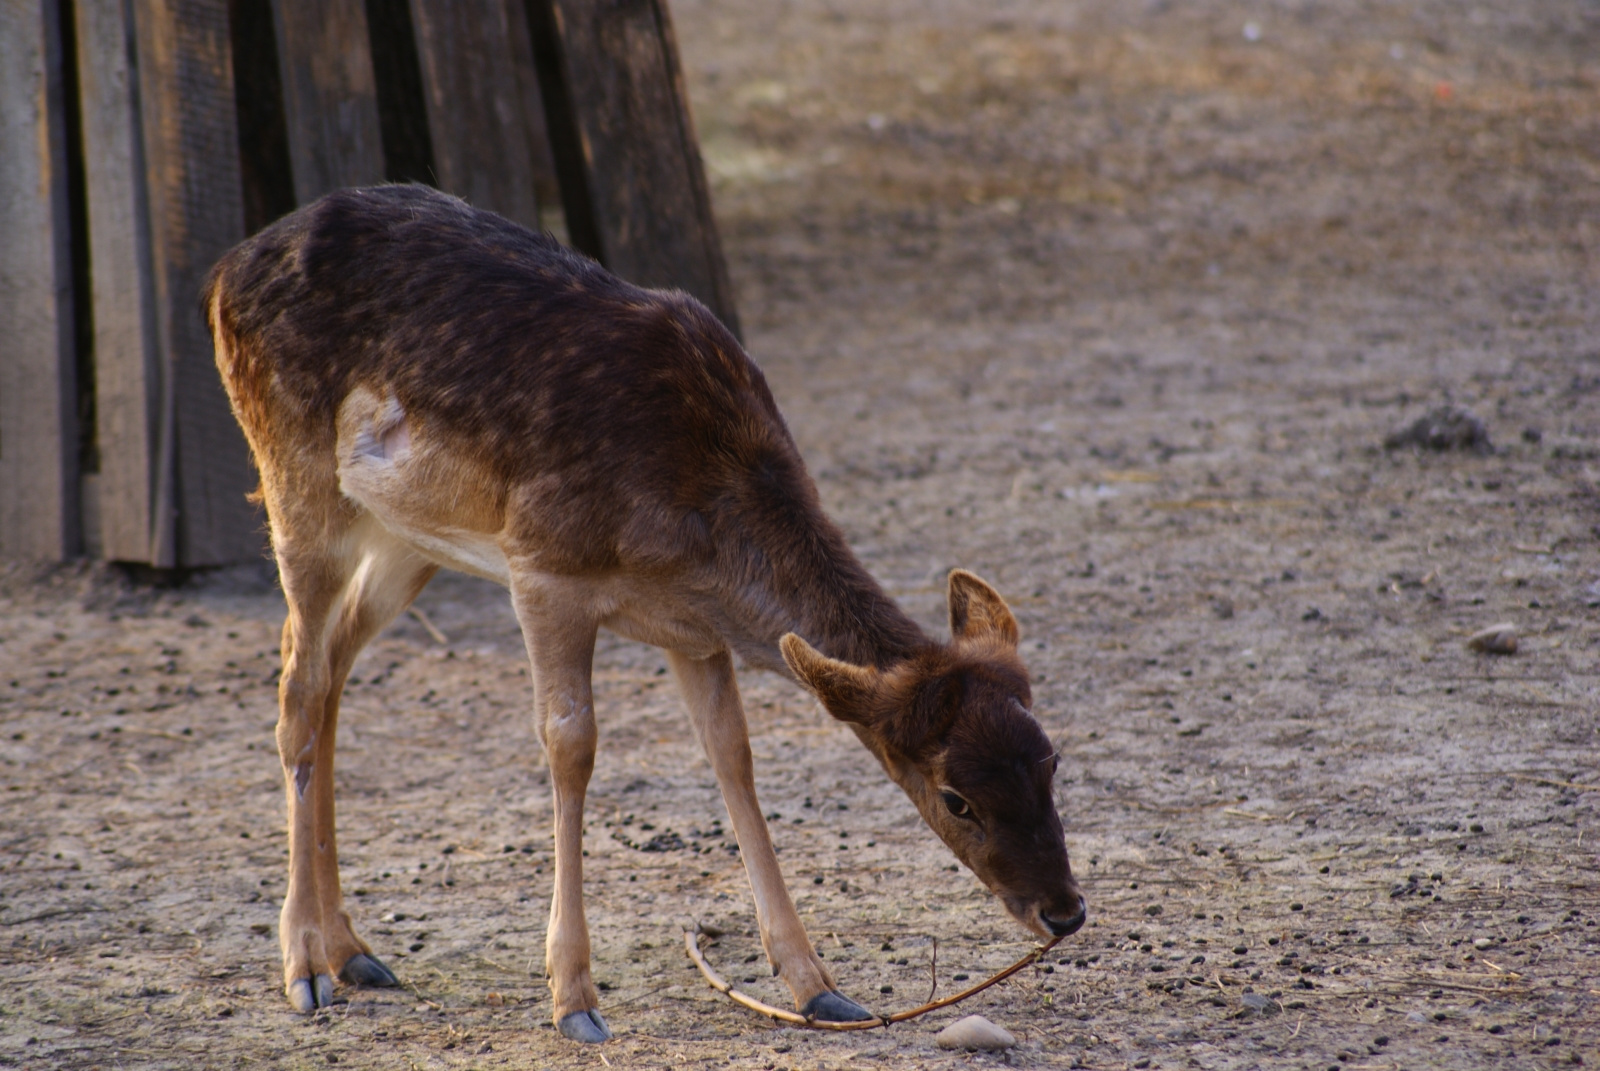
{"x": 264, "y": 165}
{"x": 127, "y": 371}
{"x": 39, "y": 509}
{"x": 547, "y": 193}
{"x": 402, "y": 104}
{"x": 330, "y": 103}
{"x": 475, "y": 106}
{"x": 191, "y": 154}
{"x": 632, "y": 182}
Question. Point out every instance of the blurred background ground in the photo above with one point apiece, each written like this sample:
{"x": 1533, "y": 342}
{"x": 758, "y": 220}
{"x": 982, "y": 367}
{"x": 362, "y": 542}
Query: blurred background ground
{"x": 1115, "y": 305}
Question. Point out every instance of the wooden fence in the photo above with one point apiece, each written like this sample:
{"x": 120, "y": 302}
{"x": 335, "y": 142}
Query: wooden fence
{"x": 139, "y": 139}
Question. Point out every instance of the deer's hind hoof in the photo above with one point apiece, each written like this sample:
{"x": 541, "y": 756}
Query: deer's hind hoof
{"x": 832, "y": 1006}
{"x": 584, "y": 1026}
{"x": 306, "y": 995}
{"x": 362, "y": 969}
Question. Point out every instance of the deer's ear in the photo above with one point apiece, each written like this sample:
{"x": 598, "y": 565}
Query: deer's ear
{"x": 978, "y": 612}
{"x": 846, "y": 690}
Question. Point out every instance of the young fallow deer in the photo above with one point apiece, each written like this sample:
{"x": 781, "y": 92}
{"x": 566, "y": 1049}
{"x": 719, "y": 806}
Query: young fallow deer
{"x": 424, "y": 385}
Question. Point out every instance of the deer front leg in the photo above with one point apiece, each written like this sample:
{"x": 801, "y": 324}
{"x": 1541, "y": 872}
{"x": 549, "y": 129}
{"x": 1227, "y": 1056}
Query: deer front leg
{"x": 561, "y": 650}
{"x": 712, "y": 696}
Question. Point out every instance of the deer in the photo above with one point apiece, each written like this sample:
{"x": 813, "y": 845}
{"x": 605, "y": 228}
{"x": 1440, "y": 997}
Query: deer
{"x": 422, "y": 385}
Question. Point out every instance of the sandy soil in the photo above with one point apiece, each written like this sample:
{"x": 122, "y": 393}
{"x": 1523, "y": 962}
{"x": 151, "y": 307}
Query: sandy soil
{"x": 1114, "y": 304}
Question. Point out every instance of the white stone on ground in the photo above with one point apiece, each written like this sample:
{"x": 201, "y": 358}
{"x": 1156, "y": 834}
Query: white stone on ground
{"x": 974, "y": 1032}
{"x": 1496, "y": 639}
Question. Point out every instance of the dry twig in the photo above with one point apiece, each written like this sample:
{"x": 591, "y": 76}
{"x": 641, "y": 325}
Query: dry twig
{"x": 1554, "y": 784}
{"x": 427, "y": 623}
{"x": 691, "y": 942}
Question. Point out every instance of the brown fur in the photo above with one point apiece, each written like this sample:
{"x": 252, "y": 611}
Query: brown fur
{"x": 423, "y": 384}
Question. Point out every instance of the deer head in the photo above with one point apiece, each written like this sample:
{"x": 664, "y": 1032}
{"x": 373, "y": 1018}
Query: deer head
{"x": 952, "y": 726}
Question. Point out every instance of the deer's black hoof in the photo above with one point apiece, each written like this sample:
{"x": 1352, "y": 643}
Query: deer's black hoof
{"x": 831, "y": 1006}
{"x": 585, "y": 1026}
{"x": 361, "y": 969}
{"x": 306, "y": 995}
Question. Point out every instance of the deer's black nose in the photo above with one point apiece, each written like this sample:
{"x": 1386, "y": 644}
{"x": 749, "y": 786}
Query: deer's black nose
{"x": 1062, "y": 927}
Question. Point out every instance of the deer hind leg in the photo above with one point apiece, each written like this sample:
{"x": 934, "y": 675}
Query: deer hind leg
{"x": 560, "y": 634}
{"x": 712, "y": 696}
{"x": 339, "y": 597}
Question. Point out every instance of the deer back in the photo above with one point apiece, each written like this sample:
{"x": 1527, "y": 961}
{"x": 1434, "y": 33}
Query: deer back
{"x": 588, "y": 425}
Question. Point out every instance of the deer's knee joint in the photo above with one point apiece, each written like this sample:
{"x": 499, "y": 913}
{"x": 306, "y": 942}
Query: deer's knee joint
{"x": 301, "y": 690}
{"x": 569, "y": 734}
{"x": 297, "y": 737}
{"x": 570, "y": 751}
{"x": 569, "y": 721}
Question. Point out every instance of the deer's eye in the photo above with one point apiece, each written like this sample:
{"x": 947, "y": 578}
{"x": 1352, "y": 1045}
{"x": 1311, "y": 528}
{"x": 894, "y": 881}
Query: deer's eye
{"x": 956, "y": 805}
{"x": 1055, "y": 764}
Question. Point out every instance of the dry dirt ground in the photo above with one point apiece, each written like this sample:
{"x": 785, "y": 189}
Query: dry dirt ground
{"x": 1113, "y": 303}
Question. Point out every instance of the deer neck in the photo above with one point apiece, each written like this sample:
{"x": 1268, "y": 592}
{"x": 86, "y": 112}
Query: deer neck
{"x": 805, "y": 579}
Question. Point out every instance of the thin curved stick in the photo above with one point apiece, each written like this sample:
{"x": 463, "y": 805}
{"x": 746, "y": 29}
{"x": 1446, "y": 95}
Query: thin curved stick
{"x": 691, "y": 943}
{"x": 934, "y": 1005}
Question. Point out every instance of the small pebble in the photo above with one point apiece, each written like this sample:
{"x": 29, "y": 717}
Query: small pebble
{"x": 1496, "y": 639}
{"x": 974, "y": 1032}
{"x": 1483, "y": 943}
{"x": 1444, "y": 428}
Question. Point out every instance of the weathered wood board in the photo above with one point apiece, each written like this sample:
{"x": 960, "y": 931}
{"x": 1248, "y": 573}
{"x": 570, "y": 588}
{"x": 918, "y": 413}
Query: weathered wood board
{"x": 546, "y": 190}
{"x": 191, "y": 151}
{"x": 476, "y": 123}
{"x": 330, "y": 101}
{"x": 632, "y": 181}
{"x": 126, "y": 365}
{"x": 402, "y": 103}
{"x": 39, "y": 507}
{"x": 264, "y": 161}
